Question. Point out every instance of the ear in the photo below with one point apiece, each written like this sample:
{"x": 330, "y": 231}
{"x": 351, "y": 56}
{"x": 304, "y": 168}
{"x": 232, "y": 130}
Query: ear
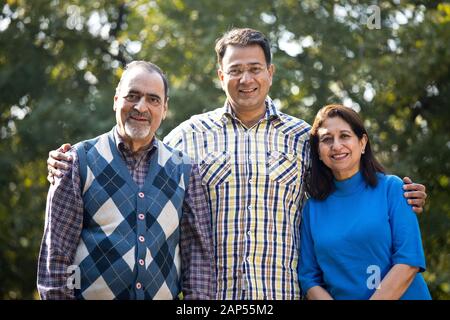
{"x": 166, "y": 107}
{"x": 115, "y": 101}
{"x": 221, "y": 74}
{"x": 363, "y": 142}
{"x": 271, "y": 70}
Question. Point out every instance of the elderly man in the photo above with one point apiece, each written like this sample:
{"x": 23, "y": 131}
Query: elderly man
{"x": 252, "y": 159}
{"x": 130, "y": 217}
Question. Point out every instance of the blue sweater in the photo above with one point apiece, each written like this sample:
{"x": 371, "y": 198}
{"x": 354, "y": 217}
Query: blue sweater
{"x": 351, "y": 240}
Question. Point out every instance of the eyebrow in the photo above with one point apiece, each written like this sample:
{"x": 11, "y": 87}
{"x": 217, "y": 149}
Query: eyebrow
{"x": 151, "y": 95}
{"x": 329, "y": 134}
{"x": 251, "y": 64}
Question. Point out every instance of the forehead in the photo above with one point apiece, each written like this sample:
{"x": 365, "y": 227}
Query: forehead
{"x": 142, "y": 80}
{"x": 334, "y": 125}
{"x": 236, "y": 55}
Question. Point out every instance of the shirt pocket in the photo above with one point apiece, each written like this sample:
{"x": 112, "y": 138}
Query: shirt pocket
{"x": 282, "y": 167}
{"x": 215, "y": 168}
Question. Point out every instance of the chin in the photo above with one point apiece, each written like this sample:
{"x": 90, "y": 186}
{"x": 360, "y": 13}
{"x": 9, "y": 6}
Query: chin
{"x": 137, "y": 133}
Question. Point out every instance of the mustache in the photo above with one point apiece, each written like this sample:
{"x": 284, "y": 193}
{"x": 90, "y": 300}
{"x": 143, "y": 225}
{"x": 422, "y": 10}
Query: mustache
{"x": 137, "y": 114}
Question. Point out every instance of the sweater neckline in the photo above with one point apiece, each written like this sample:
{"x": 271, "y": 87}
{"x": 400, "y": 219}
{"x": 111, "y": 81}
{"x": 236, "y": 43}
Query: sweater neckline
{"x": 351, "y": 185}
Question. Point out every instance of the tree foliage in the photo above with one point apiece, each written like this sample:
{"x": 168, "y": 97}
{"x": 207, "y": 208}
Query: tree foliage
{"x": 60, "y": 62}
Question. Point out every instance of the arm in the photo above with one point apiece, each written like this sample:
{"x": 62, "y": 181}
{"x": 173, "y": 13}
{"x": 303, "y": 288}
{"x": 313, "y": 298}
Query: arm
{"x": 318, "y": 293}
{"x": 54, "y": 166}
{"x": 415, "y": 193}
{"x": 63, "y": 223}
{"x": 309, "y": 271}
{"x": 395, "y": 283}
{"x": 407, "y": 252}
{"x": 196, "y": 243}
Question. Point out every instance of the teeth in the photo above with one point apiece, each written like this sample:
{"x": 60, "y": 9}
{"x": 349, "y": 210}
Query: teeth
{"x": 339, "y": 156}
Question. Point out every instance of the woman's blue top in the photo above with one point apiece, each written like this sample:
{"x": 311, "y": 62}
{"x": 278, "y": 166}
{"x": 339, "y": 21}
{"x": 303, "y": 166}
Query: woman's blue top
{"x": 351, "y": 240}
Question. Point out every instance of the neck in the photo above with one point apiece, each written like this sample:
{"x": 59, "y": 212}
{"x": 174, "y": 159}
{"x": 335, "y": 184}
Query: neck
{"x": 343, "y": 175}
{"x": 250, "y": 118}
{"x": 137, "y": 145}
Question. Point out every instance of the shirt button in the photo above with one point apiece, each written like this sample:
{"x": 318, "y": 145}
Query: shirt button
{"x": 141, "y": 216}
{"x": 250, "y": 181}
{"x": 249, "y": 232}
{"x": 248, "y": 259}
{"x": 141, "y": 262}
{"x": 249, "y": 207}
{"x": 141, "y": 195}
{"x": 141, "y": 239}
{"x": 138, "y": 285}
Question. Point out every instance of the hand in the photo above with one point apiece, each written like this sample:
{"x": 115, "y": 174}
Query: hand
{"x": 415, "y": 193}
{"x": 53, "y": 165}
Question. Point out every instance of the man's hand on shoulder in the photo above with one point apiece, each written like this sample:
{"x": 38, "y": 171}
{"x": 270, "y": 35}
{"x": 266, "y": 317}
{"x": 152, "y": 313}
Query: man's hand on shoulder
{"x": 415, "y": 193}
{"x": 58, "y": 160}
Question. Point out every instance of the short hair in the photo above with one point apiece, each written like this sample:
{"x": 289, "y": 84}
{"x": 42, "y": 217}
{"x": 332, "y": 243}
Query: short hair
{"x": 150, "y": 67}
{"x": 319, "y": 182}
{"x": 243, "y": 37}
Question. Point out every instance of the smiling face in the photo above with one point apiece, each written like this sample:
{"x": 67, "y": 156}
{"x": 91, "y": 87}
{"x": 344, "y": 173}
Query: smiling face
{"x": 340, "y": 148}
{"x": 140, "y": 106}
{"x": 247, "y": 92}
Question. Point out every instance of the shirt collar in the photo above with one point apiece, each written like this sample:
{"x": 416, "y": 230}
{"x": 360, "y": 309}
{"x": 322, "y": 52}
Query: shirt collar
{"x": 226, "y": 112}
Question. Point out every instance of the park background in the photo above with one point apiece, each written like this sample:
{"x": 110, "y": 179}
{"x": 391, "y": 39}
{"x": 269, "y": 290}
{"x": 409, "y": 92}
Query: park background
{"x": 61, "y": 60}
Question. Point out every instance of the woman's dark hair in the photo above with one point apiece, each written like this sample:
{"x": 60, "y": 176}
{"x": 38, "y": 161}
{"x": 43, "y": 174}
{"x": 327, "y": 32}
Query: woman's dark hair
{"x": 319, "y": 181}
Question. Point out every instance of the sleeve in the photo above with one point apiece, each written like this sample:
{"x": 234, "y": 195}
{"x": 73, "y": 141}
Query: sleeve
{"x": 309, "y": 272}
{"x": 63, "y": 224}
{"x": 174, "y": 138}
{"x": 196, "y": 243}
{"x": 305, "y": 167}
{"x": 406, "y": 237}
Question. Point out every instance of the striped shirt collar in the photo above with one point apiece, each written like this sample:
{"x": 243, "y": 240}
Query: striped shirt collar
{"x": 226, "y": 112}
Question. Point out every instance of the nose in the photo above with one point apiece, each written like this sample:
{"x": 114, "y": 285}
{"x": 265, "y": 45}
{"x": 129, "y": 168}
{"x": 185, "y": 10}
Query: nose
{"x": 246, "y": 76}
{"x": 336, "y": 145}
{"x": 141, "y": 105}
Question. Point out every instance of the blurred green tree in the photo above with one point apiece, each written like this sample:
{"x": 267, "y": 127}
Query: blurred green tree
{"x": 60, "y": 62}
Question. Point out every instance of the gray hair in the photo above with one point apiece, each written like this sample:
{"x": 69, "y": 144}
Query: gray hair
{"x": 150, "y": 67}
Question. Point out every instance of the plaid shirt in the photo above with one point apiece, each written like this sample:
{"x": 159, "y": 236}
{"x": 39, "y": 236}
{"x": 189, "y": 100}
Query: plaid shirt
{"x": 64, "y": 222}
{"x": 254, "y": 181}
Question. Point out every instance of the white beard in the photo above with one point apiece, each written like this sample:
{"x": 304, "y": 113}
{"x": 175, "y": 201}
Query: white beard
{"x": 136, "y": 131}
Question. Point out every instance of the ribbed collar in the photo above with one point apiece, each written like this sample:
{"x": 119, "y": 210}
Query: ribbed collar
{"x": 351, "y": 185}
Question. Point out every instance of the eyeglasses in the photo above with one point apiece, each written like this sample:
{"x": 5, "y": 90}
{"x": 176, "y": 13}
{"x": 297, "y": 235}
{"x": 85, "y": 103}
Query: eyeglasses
{"x": 135, "y": 97}
{"x": 238, "y": 72}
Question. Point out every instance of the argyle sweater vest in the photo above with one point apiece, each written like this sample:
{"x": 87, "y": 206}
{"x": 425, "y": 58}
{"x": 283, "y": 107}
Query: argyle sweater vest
{"x": 129, "y": 246}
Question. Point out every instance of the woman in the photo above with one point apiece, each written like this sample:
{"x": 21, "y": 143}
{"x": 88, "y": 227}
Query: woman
{"x": 359, "y": 237}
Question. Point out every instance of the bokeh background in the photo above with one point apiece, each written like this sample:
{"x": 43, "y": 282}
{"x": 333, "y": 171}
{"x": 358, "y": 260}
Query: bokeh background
{"x": 61, "y": 60}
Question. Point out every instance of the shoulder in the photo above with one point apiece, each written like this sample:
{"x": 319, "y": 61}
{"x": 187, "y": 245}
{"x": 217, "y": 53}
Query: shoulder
{"x": 389, "y": 180}
{"x": 197, "y": 123}
{"x": 175, "y": 153}
{"x": 392, "y": 186}
{"x": 294, "y": 126}
{"x": 89, "y": 143}
{"x": 311, "y": 204}
{"x": 312, "y": 210}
